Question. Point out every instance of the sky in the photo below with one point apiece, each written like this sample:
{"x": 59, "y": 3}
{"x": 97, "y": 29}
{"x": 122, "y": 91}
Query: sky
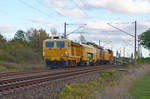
{"x": 96, "y": 14}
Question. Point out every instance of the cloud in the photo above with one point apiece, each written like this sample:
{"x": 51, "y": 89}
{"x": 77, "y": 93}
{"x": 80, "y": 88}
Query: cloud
{"x": 46, "y": 1}
{"x": 81, "y": 4}
{"x": 103, "y": 25}
{"x": 43, "y": 22}
{"x": 59, "y": 3}
{"x": 66, "y": 8}
{"x": 50, "y": 25}
{"x": 7, "y": 28}
{"x": 100, "y": 30}
{"x": 98, "y": 25}
{"x": 93, "y": 34}
{"x": 55, "y": 3}
{"x": 123, "y": 6}
{"x": 38, "y": 20}
{"x": 73, "y": 12}
{"x": 144, "y": 23}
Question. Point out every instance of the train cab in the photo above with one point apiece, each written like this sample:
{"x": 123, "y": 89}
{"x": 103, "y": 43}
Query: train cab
{"x": 60, "y": 52}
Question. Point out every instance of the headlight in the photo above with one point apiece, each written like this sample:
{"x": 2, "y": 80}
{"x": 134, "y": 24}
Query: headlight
{"x": 66, "y": 53}
{"x": 43, "y": 53}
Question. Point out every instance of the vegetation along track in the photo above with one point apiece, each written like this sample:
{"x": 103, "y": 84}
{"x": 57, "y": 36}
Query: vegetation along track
{"x": 35, "y": 78}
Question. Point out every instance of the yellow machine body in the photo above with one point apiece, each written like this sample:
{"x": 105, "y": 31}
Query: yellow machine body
{"x": 64, "y": 52}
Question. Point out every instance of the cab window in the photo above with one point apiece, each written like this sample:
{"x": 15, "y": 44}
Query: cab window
{"x": 60, "y": 44}
{"x": 49, "y": 44}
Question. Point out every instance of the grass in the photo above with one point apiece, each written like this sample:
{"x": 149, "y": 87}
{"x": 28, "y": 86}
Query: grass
{"x": 141, "y": 88}
{"x": 111, "y": 85}
{"x": 122, "y": 89}
{"x": 90, "y": 89}
{"x": 14, "y": 67}
{"x": 143, "y": 60}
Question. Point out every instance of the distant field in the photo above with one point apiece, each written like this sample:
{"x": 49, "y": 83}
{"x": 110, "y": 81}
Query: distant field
{"x": 141, "y": 88}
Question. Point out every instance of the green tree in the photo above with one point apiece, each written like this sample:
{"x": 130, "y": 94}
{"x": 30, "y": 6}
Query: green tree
{"x": 36, "y": 38}
{"x": 145, "y": 39}
{"x": 2, "y": 40}
{"x": 20, "y": 36}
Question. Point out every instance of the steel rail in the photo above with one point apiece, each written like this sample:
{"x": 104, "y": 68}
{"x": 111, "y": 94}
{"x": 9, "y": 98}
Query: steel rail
{"x": 39, "y": 75}
{"x": 47, "y": 78}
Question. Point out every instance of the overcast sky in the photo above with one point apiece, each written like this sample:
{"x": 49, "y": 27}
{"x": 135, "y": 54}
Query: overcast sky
{"x": 47, "y": 14}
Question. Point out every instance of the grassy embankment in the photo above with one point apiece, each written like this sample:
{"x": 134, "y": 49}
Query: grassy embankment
{"x": 110, "y": 84}
{"x": 15, "y": 57}
{"x": 141, "y": 88}
{"x": 91, "y": 89}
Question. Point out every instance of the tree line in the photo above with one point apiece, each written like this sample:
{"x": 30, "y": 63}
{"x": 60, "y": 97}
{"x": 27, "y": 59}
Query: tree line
{"x": 26, "y": 46}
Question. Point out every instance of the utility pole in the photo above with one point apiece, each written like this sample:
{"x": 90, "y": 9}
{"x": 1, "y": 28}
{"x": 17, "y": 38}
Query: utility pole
{"x": 139, "y": 50}
{"x": 120, "y": 52}
{"x": 99, "y": 43}
{"x": 135, "y": 54}
{"x": 65, "y": 34}
{"x": 117, "y": 54}
{"x": 124, "y": 51}
{"x": 120, "y": 56}
{"x": 131, "y": 57}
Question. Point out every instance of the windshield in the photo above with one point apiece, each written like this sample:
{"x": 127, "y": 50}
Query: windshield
{"x": 60, "y": 44}
{"x": 49, "y": 44}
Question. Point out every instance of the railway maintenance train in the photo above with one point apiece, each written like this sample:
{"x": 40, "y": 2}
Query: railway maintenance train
{"x": 59, "y": 52}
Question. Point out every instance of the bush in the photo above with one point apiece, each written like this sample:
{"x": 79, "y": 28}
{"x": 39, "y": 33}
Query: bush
{"x": 27, "y": 55}
{"x": 87, "y": 90}
{"x": 15, "y": 53}
{"x": 143, "y": 60}
{"x": 1, "y": 56}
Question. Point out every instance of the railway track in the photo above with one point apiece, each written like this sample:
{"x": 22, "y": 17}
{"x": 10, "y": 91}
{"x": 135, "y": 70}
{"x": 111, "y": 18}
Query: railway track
{"x": 6, "y": 74}
{"x": 35, "y": 77}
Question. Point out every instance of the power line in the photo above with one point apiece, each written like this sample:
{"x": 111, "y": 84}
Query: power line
{"x": 44, "y": 5}
{"x": 130, "y": 35}
{"x": 121, "y": 30}
{"x": 76, "y": 31}
{"x": 65, "y": 27}
{"x": 120, "y": 22}
{"x": 31, "y": 6}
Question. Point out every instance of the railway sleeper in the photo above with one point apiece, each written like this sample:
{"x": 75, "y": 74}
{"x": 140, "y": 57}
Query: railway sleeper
{"x": 44, "y": 79}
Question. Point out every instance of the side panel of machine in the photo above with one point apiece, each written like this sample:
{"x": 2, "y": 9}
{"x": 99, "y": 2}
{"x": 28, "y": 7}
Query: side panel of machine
{"x": 89, "y": 55}
{"x": 76, "y": 54}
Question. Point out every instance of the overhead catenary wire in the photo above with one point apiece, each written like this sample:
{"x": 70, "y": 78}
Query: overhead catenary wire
{"x": 44, "y": 5}
{"x": 121, "y": 30}
{"x": 77, "y": 5}
{"x": 76, "y": 31}
{"x": 31, "y": 6}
